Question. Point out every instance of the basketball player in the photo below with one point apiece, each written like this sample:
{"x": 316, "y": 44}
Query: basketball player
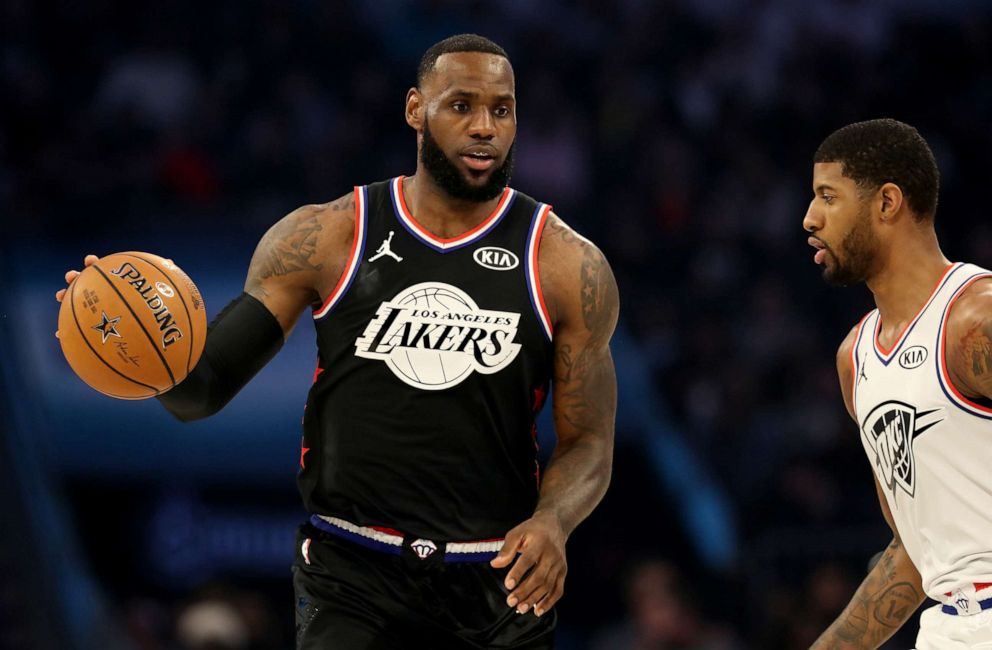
{"x": 444, "y": 304}
{"x": 916, "y": 376}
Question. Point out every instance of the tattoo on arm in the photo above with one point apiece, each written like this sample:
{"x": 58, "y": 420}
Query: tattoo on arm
{"x": 885, "y": 600}
{"x": 976, "y": 347}
{"x": 291, "y": 245}
{"x": 584, "y": 390}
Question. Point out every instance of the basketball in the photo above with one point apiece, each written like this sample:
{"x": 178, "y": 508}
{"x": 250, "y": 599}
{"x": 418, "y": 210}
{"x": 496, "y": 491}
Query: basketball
{"x": 132, "y": 325}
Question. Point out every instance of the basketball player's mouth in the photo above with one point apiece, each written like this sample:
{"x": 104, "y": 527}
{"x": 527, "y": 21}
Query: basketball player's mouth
{"x": 821, "y": 250}
{"x": 479, "y": 158}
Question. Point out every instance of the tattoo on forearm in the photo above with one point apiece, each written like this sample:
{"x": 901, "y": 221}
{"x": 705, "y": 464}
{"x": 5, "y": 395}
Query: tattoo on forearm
{"x": 883, "y": 602}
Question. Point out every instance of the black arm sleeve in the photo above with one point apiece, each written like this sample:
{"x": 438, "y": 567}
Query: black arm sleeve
{"x": 240, "y": 341}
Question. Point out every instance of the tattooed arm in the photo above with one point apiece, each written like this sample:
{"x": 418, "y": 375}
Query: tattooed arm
{"x": 295, "y": 263}
{"x": 582, "y": 297}
{"x": 299, "y": 260}
{"x": 968, "y": 352}
{"x": 893, "y": 589}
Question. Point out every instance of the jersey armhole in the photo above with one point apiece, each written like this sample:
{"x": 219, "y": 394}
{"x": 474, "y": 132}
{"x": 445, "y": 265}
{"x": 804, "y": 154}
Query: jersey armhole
{"x": 354, "y": 256}
{"x": 854, "y": 361}
{"x": 943, "y": 376}
{"x": 532, "y": 268}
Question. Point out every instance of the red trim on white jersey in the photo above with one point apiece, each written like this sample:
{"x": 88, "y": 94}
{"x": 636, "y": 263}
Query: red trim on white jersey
{"x": 955, "y": 394}
{"x": 905, "y": 330}
{"x": 854, "y": 361}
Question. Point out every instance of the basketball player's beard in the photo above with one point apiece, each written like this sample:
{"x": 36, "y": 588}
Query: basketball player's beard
{"x": 450, "y": 179}
{"x": 858, "y": 247}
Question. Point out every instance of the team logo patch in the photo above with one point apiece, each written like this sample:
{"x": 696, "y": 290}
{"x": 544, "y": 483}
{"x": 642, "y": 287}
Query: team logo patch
{"x": 433, "y": 336}
{"x": 913, "y": 357}
{"x": 424, "y": 548}
{"x": 890, "y": 429}
{"x": 495, "y": 258}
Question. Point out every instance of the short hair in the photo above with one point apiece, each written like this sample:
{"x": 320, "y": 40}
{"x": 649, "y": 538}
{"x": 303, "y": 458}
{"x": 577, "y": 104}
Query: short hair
{"x": 457, "y": 43}
{"x": 881, "y": 151}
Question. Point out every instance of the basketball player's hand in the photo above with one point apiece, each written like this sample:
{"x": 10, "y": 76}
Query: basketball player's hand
{"x": 71, "y": 275}
{"x": 537, "y": 579}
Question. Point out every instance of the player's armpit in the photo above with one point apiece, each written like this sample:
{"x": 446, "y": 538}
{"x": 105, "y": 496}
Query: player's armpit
{"x": 968, "y": 353}
{"x": 300, "y": 258}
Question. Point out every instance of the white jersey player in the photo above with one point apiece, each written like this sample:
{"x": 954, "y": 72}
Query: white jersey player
{"x": 916, "y": 376}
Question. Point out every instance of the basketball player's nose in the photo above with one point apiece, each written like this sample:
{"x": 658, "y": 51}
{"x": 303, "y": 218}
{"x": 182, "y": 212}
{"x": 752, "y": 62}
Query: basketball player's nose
{"x": 482, "y": 125}
{"x": 813, "y": 221}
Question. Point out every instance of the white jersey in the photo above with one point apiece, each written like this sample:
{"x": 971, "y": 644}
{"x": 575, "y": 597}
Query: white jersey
{"x": 930, "y": 447}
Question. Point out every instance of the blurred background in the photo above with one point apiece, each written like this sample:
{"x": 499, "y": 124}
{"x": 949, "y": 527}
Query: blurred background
{"x": 676, "y": 134}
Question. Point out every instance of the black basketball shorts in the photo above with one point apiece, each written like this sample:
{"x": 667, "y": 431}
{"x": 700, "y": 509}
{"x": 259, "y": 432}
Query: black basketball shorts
{"x": 353, "y": 598}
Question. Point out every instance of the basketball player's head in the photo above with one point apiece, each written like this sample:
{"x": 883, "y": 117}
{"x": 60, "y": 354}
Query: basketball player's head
{"x": 463, "y": 109}
{"x": 872, "y": 181}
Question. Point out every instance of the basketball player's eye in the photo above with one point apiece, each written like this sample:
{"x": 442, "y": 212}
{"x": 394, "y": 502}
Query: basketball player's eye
{"x": 460, "y": 107}
{"x": 828, "y": 199}
{"x": 502, "y": 111}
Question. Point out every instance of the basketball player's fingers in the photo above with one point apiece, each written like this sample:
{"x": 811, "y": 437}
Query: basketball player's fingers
{"x": 71, "y": 275}
{"x": 506, "y": 554}
{"x": 60, "y": 294}
{"x": 534, "y": 587}
{"x": 91, "y": 259}
{"x": 525, "y": 562}
{"x": 553, "y": 596}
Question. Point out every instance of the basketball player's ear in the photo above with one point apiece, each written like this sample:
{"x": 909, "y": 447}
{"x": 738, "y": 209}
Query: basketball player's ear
{"x": 891, "y": 199}
{"x": 415, "y": 108}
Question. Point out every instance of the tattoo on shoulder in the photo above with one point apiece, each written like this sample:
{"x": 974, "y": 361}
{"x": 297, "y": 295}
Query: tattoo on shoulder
{"x": 596, "y": 279}
{"x": 595, "y": 286}
{"x": 290, "y": 246}
{"x": 976, "y": 349}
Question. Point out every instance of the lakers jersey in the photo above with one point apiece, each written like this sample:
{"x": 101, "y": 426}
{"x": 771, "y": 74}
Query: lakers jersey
{"x": 929, "y": 445}
{"x": 434, "y": 358}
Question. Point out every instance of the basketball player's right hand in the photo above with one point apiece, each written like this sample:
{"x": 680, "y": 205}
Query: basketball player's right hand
{"x": 71, "y": 275}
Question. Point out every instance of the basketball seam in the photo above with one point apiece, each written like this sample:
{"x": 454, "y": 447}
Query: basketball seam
{"x": 137, "y": 321}
{"x": 189, "y": 317}
{"x": 82, "y": 334}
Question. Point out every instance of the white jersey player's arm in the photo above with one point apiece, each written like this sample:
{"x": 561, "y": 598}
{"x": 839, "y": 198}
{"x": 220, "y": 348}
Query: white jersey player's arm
{"x": 893, "y": 589}
{"x": 969, "y": 341}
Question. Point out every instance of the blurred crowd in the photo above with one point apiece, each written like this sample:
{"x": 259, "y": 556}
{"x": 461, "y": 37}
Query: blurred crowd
{"x": 678, "y": 135}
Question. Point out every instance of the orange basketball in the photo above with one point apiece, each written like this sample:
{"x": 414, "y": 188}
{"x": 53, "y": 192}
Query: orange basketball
{"x": 132, "y": 325}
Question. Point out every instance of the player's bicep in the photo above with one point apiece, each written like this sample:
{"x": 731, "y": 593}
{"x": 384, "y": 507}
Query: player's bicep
{"x": 288, "y": 266}
{"x": 969, "y": 349}
{"x": 587, "y": 306}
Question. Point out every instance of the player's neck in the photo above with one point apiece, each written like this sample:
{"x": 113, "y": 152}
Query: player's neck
{"x": 906, "y": 279}
{"x": 437, "y": 211}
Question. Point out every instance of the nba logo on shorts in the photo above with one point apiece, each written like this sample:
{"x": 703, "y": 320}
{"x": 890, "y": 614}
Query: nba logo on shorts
{"x": 433, "y": 336}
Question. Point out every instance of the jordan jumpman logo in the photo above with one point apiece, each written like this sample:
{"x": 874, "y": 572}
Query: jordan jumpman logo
{"x": 384, "y": 250}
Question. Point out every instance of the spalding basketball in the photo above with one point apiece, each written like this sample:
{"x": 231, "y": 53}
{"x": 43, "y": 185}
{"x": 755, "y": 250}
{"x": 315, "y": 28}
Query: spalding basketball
{"x": 132, "y": 325}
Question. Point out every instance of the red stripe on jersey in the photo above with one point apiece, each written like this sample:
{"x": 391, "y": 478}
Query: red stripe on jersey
{"x": 943, "y": 347}
{"x": 535, "y": 269}
{"x": 895, "y": 344}
{"x": 449, "y": 240}
{"x": 351, "y": 255}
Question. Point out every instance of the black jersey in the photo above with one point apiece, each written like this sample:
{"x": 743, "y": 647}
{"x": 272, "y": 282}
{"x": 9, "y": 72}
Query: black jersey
{"x": 434, "y": 358}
